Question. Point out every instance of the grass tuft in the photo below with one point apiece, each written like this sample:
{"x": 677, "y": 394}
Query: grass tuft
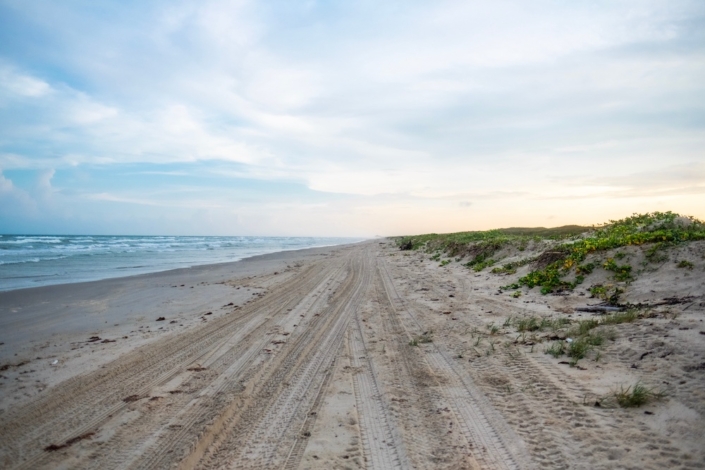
{"x": 620, "y": 317}
{"x": 684, "y": 264}
{"x": 556, "y": 350}
{"x": 422, "y": 339}
{"x": 636, "y": 395}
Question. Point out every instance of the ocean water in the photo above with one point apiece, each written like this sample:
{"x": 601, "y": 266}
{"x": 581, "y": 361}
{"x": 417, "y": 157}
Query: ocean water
{"x": 39, "y": 260}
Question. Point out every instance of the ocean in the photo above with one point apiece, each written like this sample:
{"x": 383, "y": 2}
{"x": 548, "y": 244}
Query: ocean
{"x": 40, "y": 260}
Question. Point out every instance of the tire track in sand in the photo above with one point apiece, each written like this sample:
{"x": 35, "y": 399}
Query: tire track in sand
{"x": 419, "y": 407}
{"x": 183, "y": 430}
{"x": 495, "y": 444}
{"x": 81, "y": 404}
{"x": 263, "y": 431}
{"x": 382, "y": 446}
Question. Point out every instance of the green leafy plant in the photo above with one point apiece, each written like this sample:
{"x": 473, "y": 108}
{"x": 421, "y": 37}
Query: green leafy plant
{"x": 656, "y": 253}
{"x": 640, "y": 229}
{"x": 658, "y": 229}
{"x": 585, "y": 269}
{"x": 511, "y": 267}
{"x": 607, "y": 292}
{"x": 621, "y": 273}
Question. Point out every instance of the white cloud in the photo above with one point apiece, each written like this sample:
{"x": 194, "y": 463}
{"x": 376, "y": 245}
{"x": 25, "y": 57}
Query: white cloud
{"x": 89, "y": 112}
{"x": 16, "y": 84}
{"x": 6, "y": 185}
{"x": 15, "y": 203}
{"x": 446, "y": 99}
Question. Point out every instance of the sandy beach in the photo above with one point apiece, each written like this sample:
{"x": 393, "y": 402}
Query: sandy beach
{"x": 355, "y": 356}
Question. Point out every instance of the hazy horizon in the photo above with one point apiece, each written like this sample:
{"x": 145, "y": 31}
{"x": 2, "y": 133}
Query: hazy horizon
{"x": 321, "y": 118}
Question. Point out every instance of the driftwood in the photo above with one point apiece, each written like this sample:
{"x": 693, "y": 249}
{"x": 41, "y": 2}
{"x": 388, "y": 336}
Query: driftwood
{"x": 618, "y": 308}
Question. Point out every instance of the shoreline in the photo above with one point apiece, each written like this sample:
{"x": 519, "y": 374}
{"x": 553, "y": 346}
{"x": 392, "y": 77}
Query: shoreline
{"x": 39, "y": 325}
{"x": 195, "y": 266}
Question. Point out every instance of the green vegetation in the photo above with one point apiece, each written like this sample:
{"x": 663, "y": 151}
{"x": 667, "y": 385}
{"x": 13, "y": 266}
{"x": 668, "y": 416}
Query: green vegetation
{"x": 532, "y": 323}
{"x": 585, "y": 268}
{"x": 620, "y": 317}
{"x": 584, "y": 327}
{"x": 556, "y": 350}
{"x": 451, "y": 242}
{"x": 424, "y": 338}
{"x": 608, "y": 292}
{"x": 655, "y": 254}
{"x": 583, "y": 336}
{"x": 621, "y": 273}
{"x": 480, "y": 262}
{"x": 658, "y": 227}
{"x": 480, "y": 247}
{"x": 636, "y": 395}
{"x": 511, "y": 268}
{"x": 685, "y": 264}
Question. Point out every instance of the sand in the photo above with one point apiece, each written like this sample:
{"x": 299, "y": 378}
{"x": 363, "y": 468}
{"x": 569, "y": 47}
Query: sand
{"x": 321, "y": 359}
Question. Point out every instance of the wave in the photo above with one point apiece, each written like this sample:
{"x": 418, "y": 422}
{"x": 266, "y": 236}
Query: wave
{"x": 30, "y": 260}
{"x": 64, "y": 259}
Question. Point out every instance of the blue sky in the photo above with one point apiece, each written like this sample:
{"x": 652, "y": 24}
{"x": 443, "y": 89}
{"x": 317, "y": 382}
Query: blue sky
{"x": 347, "y": 118}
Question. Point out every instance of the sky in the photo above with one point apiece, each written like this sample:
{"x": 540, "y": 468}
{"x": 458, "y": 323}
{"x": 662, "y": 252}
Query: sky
{"x": 347, "y": 118}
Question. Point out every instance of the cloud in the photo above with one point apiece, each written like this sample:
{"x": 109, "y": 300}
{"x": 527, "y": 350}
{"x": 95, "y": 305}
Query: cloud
{"x": 16, "y": 84}
{"x": 15, "y": 203}
{"x": 443, "y": 102}
{"x": 6, "y": 185}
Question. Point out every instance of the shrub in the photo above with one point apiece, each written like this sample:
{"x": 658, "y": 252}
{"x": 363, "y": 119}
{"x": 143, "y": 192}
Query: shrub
{"x": 658, "y": 227}
{"x": 621, "y": 273}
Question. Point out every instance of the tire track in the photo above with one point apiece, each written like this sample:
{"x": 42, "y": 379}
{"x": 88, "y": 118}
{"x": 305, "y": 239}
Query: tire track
{"x": 382, "y": 446}
{"x": 81, "y": 404}
{"x": 297, "y": 450}
{"x": 262, "y": 433}
{"x": 494, "y": 443}
{"x": 531, "y": 393}
{"x": 167, "y": 445}
{"x": 430, "y": 441}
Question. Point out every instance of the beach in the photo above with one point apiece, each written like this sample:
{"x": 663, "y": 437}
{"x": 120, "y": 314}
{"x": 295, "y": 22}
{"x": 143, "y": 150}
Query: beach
{"x": 351, "y": 356}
